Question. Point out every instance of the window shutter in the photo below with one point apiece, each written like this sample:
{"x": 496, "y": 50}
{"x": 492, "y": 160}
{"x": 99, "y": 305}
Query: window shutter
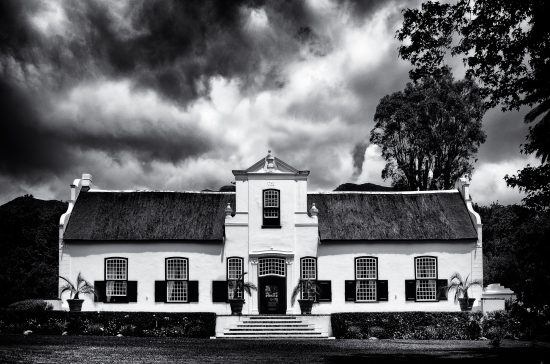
{"x": 219, "y": 291}
{"x": 193, "y": 291}
{"x": 382, "y": 290}
{"x": 132, "y": 291}
{"x": 350, "y": 290}
{"x": 99, "y": 287}
{"x": 441, "y": 290}
{"x": 325, "y": 288}
{"x": 410, "y": 290}
{"x": 160, "y": 291}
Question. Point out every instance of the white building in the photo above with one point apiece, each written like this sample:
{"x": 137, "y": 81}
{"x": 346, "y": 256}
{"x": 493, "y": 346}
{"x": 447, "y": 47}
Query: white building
{"x": 175, "y": 251}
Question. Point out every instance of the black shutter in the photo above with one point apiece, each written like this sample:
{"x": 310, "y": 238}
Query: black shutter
{"x": 410, "y": 290}
{"x": 441, "y": 290}
{"x": 350, "y": 290}
{"x": 160, "y": 291}
{"x": 99, "y": 287}
{"x": 325, "y": 291}
{"x": 193, "y": 291}
{"x": 219, "y": 291}
{"x": 132, "y": 291}
{"x": 382, "y": 290}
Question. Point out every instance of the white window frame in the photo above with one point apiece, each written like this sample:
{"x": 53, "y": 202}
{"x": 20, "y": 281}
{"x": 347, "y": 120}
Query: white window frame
{"x": 235, "y": 269}
{"x": 272, "y": 266}
{"x": 308, "y": 271}
{"x": 425, "y": 273}
{"x": 116, "y": 277}
{"x": 366, "y": 277}
{"x": 177, "y": 280}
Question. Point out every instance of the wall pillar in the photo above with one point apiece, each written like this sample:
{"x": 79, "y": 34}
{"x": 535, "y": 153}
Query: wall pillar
{"x": 289, "y": 284}
{"x": 253, "y": 309}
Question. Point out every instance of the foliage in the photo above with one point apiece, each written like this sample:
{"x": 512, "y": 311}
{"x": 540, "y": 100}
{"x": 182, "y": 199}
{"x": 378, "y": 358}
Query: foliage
{"x": 308, "y": 286}
{"x": 506, "y": 46}
{"x": 461, "y": 286}
{"x": 110, "y": 323}
{"x": 515, "y": 242}
{"x": 81, "y": 287}
{"x": 30, "y": 247}
{"x": 378, "y": 332}
{"x": 239, "y": 285}
{"x": 31, "y": 305}
{"x": 429, "y": 132}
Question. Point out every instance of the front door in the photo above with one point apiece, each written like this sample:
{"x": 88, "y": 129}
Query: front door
{"x": 272, "y": 294}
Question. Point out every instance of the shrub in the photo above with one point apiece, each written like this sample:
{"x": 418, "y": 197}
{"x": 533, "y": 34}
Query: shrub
{"x": 129, "y": 330}
{"x": 93, "y": 329}
{"x": 353, "y": 332}
{"x": 197, "y": 331}
{"x": 378, "y": 332}
{"x": 495, "y": 335}
{"x": 31, "y": 305}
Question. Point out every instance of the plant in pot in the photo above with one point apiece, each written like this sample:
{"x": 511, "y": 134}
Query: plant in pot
{"x": 309, "y": 292}
{"x": 461, "y": 287}
{"x": 237, "y": 288}
{"x": 81, "y": 287}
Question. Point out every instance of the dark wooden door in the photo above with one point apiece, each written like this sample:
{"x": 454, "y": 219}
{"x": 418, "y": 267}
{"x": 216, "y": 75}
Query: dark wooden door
{"x": 272, "y": 294}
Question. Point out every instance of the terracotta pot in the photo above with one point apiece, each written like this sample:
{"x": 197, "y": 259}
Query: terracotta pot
{"x": 306, "y": 306}
{"x": 236, "y": 306}
{"x": 466, "y": 303}
{"x": 75, "y": 305}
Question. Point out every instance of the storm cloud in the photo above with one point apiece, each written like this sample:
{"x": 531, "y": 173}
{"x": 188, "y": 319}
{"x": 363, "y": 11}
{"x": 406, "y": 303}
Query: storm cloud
{"x": 175, "y": 94}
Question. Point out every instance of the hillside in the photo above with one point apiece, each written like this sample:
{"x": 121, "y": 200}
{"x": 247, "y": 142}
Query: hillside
{"x": 29, "y": 241}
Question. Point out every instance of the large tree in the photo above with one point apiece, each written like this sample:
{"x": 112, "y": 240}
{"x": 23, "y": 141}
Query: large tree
{"x": 505, "y": 45}
{"x": 429, "y": 132}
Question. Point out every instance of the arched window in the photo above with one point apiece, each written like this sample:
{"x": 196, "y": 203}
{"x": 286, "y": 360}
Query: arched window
{"x": 271, "y": 208}
{"x": 425, "y": 271}
{"x": 177, "y": 280}
{"x": 366, "y": 275}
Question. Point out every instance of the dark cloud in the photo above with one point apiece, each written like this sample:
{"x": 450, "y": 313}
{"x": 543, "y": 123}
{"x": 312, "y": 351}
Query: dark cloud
{"x": 358, "y": 155}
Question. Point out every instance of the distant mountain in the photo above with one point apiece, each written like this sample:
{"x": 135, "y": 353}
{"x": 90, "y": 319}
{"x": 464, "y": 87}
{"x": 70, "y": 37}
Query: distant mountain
{"x": 363, "y": 187}
{"x": 29, "y": 245}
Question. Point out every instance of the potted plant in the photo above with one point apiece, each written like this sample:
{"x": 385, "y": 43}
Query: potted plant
{"x": 461, "y": 288}
{"x": 81, "y": 287}
{"x": 238, "y": 286}
{"x": 309, "y": 291}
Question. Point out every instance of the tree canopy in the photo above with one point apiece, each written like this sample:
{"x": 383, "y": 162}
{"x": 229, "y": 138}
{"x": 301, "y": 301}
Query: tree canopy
{"x": 506, "y": 46}
{"x": 429, "y": 132}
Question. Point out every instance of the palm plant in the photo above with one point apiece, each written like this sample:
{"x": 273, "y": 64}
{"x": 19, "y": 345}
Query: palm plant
{"x": 81, "y": 287}
{"x": 310, "y": 290}
{"x": 236, "y": 286}
{"x": 461, "y": 287}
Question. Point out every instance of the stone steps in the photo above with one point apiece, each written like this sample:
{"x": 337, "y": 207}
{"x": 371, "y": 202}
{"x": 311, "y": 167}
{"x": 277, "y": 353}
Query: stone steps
{"x": 272, "y": 327}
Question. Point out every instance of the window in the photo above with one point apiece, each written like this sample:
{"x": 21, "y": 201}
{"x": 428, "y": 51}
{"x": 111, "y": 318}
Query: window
{"x": 234, "y": 272}
{"x": 272, "y": 208}
{"x": 272, "y": 267}
{"x": 308, "y": 271}
{"x": 116, "y": 277}
{"x": 177, "y": 280}
{"x": 426, "y": 278}
{"x": 366, "y": 275}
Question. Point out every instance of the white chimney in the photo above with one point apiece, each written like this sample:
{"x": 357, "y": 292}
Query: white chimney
{"x": 86, "y": 181}
{"x": 463, "y": 185}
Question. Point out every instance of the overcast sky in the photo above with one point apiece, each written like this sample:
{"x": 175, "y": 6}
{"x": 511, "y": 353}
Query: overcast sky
{"x": 173, "y": 96}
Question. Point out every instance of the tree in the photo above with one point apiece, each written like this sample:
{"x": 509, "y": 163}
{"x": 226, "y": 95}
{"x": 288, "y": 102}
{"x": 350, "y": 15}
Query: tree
{"x": 429, "y": 132}
{"x": 506, "y": 47}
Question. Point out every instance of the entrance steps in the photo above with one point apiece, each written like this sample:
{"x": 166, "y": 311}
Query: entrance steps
{"x": 272, "y": 327}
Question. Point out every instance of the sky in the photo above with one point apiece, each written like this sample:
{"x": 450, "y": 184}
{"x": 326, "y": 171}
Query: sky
{"x": 168, "y": 95}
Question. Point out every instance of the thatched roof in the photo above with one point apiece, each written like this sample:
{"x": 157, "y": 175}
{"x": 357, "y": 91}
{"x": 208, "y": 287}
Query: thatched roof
{"x": 199, "y": 216}
{"x": 148, "y": 216}
{"x": 392, "y": 216}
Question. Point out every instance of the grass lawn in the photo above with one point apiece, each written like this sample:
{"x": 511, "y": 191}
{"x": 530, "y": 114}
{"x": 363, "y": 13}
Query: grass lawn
{"x": 70, "y": 349}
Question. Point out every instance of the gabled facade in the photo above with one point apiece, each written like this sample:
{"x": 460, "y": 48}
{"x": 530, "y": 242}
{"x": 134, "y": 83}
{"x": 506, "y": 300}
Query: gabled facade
{"x": 176, "y": 251}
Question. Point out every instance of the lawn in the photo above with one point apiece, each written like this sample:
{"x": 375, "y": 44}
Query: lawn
{"x": 68, "y": 349}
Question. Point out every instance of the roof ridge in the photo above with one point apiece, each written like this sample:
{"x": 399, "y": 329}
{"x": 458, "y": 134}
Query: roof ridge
{"x": 384, "y": 192}
{"x": 166, "y": 191}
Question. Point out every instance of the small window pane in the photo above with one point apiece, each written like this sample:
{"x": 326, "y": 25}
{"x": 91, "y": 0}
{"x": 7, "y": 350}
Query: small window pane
{"x": 116, "y": 288}
{"x": 365, "y": 290}
{"x": 234, "y": 268}
{"x": 272, "y": 266}
{"x": 176, "y": 291}
{"x": 426, "y": 267}
{"x": 309, "y": 268}
{"x": 425, "y": 290}
{"x": 271, "y": 198}
{"x": 116, "y": 269}
{"x": 365, "y": 268}
{"x": 176, "y": 269}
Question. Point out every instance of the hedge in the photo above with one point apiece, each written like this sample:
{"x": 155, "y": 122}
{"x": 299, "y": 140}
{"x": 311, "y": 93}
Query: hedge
{"x": 515, "y": 324}
{"x": 199, "y": 324}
